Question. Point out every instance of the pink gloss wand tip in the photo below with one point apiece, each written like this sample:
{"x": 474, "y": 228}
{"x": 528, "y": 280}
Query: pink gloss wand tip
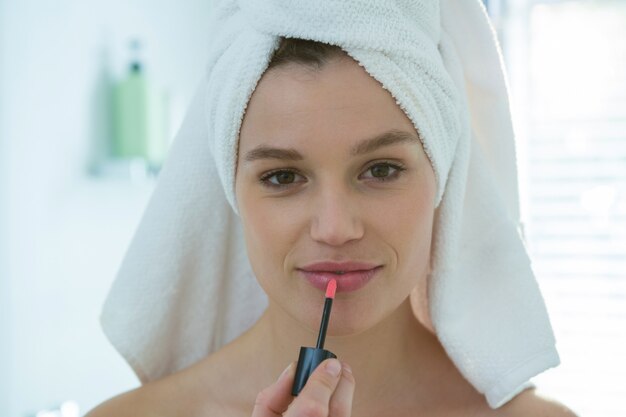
{"x": 331, "y": 289}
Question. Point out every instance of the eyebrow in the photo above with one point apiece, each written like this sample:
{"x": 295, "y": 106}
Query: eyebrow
{"x": 388, "y": 138}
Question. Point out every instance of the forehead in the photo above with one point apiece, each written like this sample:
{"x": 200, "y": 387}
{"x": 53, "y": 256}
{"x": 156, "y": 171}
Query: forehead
{"x": 341, "y": 99}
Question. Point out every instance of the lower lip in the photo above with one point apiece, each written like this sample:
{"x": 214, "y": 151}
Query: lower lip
{"x": 349, "y": 281}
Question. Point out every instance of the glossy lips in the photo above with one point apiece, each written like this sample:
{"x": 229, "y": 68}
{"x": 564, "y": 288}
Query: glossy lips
{"x": 355, "y": 274}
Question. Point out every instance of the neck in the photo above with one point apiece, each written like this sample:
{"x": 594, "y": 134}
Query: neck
{"x": 396, "y": 351}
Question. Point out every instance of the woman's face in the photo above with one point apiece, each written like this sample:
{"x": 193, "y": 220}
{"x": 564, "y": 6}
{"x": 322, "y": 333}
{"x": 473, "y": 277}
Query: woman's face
{"x": 312, "y": 186}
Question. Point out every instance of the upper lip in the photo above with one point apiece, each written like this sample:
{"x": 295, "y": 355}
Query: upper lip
{"x": 329, "y": 266}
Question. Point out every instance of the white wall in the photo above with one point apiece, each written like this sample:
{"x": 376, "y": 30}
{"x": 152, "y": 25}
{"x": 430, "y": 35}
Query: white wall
{"x": 5, "y": 346}
{"x": 66, "y": 230}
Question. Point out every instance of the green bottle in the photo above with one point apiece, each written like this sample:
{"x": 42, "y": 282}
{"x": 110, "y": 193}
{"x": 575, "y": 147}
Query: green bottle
{"x": 140, "y": 117}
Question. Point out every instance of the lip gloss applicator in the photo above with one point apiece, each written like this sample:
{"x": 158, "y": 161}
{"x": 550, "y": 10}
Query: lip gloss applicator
{"x": 310, "y": 357}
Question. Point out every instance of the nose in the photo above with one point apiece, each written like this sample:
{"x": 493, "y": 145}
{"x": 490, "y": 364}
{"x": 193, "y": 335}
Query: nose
{"x": 336, "y": 218}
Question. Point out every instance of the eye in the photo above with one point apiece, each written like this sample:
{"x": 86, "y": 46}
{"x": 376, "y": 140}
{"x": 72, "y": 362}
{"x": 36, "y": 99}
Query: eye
{"x": 380, "y": 171}
{"x": 283, "y": 178}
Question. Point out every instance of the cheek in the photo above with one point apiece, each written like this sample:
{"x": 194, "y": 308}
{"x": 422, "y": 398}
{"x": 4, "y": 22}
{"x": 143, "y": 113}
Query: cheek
{"x": 407, "y": 226}
{"x": 269, "y": 226}
{"x": 269, "y": 234}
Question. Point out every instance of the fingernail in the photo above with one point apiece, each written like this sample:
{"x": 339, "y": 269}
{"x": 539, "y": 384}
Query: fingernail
{"x": 346, "y": 367}
{"x": 285, "y": 372}
{"x": 333, "y": 367}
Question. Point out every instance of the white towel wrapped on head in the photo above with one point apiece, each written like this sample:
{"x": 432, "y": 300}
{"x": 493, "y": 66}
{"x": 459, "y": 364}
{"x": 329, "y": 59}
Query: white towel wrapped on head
{"x": 177, "y": 295}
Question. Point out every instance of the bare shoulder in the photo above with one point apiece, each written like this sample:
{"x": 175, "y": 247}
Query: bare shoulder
{"x": 531, "y": 402}
{"x": 130, "y": 403}
{"x": 191, "y": 392}
{"x": 173, "y": 395}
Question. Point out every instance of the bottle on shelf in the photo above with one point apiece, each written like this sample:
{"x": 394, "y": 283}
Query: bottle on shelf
{"x": 140, "y": 117}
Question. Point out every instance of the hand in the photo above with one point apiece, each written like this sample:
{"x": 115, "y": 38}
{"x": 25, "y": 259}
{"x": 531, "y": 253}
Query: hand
{"x": 326, "y": 394}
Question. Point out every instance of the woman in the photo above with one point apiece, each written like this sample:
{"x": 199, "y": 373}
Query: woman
{"x": 330, "y": 169}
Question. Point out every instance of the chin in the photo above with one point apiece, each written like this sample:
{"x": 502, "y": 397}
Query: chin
{"x": 349, "y": 319}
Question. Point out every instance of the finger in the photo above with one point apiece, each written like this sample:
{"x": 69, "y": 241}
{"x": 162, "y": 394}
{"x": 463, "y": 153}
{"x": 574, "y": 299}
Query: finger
{"x": 341, "y": 401}
{"x": 274, "y": 400}
{"x": 314, "y": 399}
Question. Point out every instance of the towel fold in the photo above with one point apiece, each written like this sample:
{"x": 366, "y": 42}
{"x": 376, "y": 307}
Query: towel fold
{"x": 177, "y": 294}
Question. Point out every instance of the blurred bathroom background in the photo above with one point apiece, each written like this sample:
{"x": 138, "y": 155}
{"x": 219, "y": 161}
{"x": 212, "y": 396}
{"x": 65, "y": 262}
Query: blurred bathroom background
{"x": 92, "y": 92}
